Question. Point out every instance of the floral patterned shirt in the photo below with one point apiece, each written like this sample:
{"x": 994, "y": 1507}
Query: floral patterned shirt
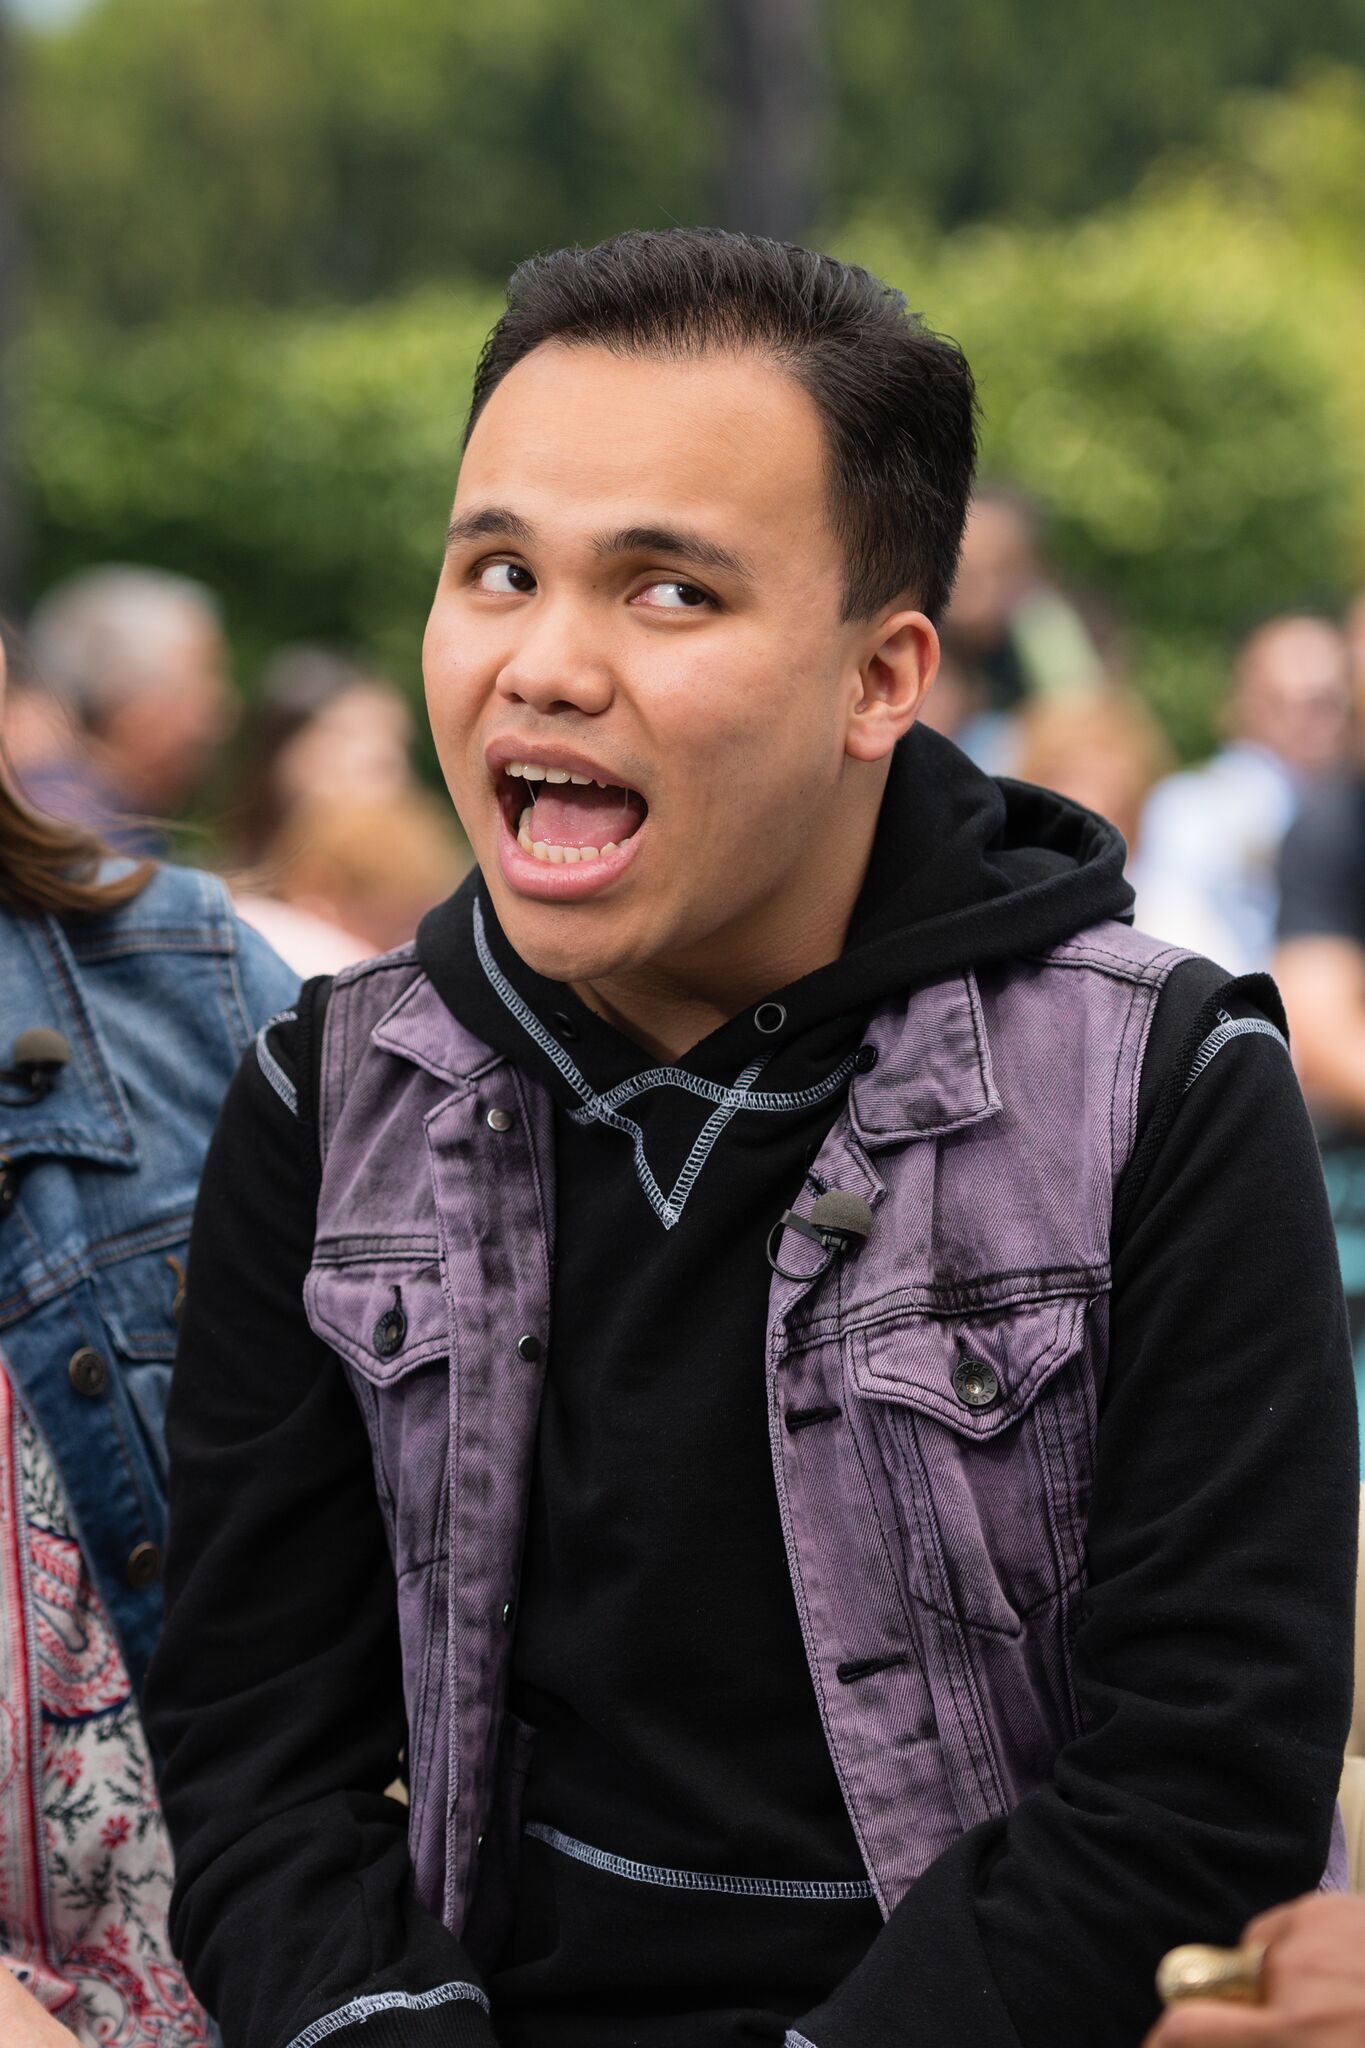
{"x": 85, "y": 1864}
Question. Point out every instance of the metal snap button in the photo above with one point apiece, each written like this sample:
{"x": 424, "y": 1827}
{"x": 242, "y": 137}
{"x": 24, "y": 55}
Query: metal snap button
{"x": 529, "y": 1348}
{"x": 975, "y": 1385}
{"x": 144, "y": 1566}
{"x": 499, "y": 1119}
{"x": 864, "y": 1059}
{"x": 87, "y": 1372}
{"x": 390, "y": 1330}
{"x": 769, "y": 1018}
{"x": 508, "y": 1610}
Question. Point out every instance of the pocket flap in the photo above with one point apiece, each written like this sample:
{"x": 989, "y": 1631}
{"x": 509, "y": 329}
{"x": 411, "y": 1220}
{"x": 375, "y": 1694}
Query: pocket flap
{"x": 138, "y": 1299}
{"x": 976, "y": 1373}
{"x": 383, "y": 1312}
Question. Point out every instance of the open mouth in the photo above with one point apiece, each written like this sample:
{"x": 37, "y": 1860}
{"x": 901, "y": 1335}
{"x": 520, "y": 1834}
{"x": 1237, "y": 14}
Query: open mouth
{"x": 562, "y": 818}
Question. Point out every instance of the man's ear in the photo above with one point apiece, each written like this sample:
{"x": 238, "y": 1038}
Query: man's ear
{"x": 899, "y": 662}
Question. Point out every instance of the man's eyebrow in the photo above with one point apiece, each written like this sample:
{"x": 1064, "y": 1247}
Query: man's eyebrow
{"x": 490, "y": 522}
{"x": 679, "y": 545}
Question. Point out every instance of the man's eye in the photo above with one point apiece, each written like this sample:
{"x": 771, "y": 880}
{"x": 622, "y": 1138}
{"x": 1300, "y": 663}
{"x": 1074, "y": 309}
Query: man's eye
{"x": 505, "y": 577}
{"x": 675, "y": 597}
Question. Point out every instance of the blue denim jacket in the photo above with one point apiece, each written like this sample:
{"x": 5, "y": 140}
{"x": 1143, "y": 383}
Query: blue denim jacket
{"x": 156, "y": 1002}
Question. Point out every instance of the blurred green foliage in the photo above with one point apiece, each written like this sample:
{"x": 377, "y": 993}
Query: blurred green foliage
{"x": 174, "y": 154}
{"x": 181, "y": 153}
{"x": 1177, "y": 377}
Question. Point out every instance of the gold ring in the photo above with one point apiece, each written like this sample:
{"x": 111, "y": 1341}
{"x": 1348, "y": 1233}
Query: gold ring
{"x": 1231, "y": 1974}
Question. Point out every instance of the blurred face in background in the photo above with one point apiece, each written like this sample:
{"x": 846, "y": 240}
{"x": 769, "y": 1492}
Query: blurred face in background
{"x": 159, "y": 734}
{"x": 358, "y": 749}
{"x": 643, "y": 597}
{"x": 1293, "y": 693}
{"x": 998, "y": 567}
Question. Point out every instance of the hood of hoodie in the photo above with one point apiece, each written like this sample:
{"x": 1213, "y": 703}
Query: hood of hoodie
{"x": 966, "y": 869}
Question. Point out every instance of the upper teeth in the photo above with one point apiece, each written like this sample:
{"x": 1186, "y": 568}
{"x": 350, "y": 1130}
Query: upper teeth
{"x": 530, "y": 771}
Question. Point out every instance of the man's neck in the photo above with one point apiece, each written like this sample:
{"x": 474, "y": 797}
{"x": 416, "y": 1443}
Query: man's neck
{"x": 668, "y": 1006}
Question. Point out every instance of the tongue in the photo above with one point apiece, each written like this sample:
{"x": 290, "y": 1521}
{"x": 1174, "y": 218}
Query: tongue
{"x": 584, "y": 814}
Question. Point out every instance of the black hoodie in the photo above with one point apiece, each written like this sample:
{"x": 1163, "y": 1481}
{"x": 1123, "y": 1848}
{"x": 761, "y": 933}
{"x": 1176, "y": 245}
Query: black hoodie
{"x": 657, "y": 1655}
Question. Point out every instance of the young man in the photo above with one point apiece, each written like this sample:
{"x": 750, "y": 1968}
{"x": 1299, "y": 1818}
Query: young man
{"x": 896, "y": 1620}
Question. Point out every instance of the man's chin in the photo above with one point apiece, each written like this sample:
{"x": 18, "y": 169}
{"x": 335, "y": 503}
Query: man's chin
{"x": 568, "y": 942}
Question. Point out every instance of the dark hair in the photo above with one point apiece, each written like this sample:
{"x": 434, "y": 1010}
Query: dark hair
{"x": 47, "y": 865}
{"x": 896, "y": 400}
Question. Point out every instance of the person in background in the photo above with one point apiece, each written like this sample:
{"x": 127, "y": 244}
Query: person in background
{"x": 1211, "y": 836}
{"x": 1012, "y": 635}
{"x": 1103, "y": 749}
{"x": 1313, "y": 1985}
{"x": 351, "y": 877}
{"x": 137, "y": 660}
{"x": 127, "y": 994}
{"x": 1320, "y": 966}
{"x": 324, "y": 727}
{"x": 327, "y": 733}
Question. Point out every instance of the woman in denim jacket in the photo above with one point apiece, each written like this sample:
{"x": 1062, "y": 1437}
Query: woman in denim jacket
{"x": 127, "y": 995}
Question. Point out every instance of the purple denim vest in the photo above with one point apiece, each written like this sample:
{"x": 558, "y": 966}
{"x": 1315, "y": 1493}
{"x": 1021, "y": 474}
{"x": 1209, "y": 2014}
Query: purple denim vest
{"x": 941, "y": 1523}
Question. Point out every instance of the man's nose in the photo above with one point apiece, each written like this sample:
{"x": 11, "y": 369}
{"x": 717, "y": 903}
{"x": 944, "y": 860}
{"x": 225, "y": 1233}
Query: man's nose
{"x": 559, "y": 663}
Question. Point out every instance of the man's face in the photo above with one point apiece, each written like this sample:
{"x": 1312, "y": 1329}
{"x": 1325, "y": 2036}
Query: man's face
{"x": 642, "y": 594}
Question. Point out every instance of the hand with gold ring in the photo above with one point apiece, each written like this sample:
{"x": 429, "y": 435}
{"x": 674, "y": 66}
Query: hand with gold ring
{"x": 1298, "y": 1981}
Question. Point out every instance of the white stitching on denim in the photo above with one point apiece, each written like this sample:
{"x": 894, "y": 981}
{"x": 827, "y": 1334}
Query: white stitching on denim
{"x": 603, "y": 1109}
{"x": 696, "y": 1880}
{"x": 791, "y": 2039}
{"x": 1224, "y": 1033}
{"x": 361, "y": 2009}
{"x": 270, "y": 1066}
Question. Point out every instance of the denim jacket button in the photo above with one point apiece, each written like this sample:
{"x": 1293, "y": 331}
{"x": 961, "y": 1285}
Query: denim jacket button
{"x": 87, "y": 1372}
{"x": 499, "y": 1119}
{"x": 389, "y": 1332}
{"x": 976, "y": 1386}
{"x": 529, "y": 1349}
{"x": 143, "y": 1567}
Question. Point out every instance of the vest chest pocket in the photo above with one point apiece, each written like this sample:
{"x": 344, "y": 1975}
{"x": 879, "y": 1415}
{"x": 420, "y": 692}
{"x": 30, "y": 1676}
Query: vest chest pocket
{"x": 384, "y": 1314}
{"x": 985, "y": 1427}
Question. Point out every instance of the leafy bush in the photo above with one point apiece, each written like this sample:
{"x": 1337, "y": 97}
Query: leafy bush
{"x": 1178, "y": 380}
{"x": 1179, "y": 384}
{"x": 302, "y": 466}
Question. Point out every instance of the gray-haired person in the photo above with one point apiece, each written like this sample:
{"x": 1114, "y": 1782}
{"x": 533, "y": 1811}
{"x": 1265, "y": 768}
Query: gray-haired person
{"x": 137, "y": 659}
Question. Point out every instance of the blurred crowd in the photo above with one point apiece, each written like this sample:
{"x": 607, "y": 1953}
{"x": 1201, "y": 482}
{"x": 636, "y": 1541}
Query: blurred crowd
{"x": 123, "y": 713}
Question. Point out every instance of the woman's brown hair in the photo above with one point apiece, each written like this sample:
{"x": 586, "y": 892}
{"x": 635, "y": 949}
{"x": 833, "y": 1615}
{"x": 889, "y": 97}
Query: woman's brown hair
{"x": 46, "y": 865}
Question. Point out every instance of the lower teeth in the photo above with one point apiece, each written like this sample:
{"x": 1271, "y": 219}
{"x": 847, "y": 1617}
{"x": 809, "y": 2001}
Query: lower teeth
{"x": 556, "y": 856}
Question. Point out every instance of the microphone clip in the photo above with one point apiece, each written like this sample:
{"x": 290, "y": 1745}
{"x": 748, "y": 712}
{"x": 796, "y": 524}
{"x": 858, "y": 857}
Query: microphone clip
{"x": 838, "y": 1222}
{"x": 39, "y": 1056}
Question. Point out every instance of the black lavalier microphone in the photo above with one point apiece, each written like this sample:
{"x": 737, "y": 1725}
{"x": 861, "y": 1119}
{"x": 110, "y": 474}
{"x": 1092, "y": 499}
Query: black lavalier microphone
{"x": 838, "y": 1222}
{"x": 39, "y": 1056}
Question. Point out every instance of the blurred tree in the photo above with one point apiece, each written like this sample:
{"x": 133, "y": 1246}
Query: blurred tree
{"x": 204, "y": 152}
{"x": 958, "y": 110}
{"x": 772, "y": 76}
{"x": 1178, "y": 380}
{"x": 181, "y": 153}
{"x": 9, "y": 310}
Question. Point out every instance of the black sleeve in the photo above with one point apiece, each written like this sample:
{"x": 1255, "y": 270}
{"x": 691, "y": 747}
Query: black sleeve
{"x": 1213, "y": 1656}
{"x": 1322, "y": 867}
{"x": 275, "y": 1698}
